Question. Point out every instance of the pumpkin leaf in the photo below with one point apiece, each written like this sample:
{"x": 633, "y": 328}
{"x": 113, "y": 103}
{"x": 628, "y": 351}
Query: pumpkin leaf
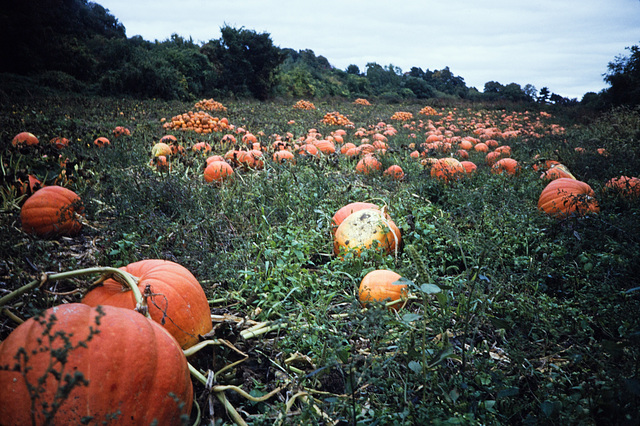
{"x": 410, "y": 317}
{"x": 402, "y": 281}
{"x": 415, "y": 366}
{"x": 430, "y": 289}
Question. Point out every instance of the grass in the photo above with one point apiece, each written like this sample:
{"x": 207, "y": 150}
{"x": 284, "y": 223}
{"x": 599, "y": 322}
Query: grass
{"x": 519, "y": 318}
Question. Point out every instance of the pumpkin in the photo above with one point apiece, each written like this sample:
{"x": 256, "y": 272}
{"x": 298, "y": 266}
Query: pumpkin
{"x": 447, "y": 169}
{"x": 469, "y": 166}
{"x": 24, "y": 138}
{"x": 378, "y": 286}
{"x": 121, "y": 131}
{"x": 101, "y": 141}
{"x": 52, "y": 211}
{"x": 506, "y": 165}
{"x": 566, "y": 197}
{"x": 557, "y": 171}
{"x": 59, "y": 142}
{"x": 395, "y": 172}
{"x": 344, "y": 211}
{"x": 368, "y": 164}
{"x": 284, "y": 156}
{"x": 210, "y": 159}
{"x": 365, "y": 229}
{"x": 132, "y": 370}
{"x": 161, "y": 148}
{"x": 625, "y": 186}
{"x": 179, "y": 302}
{"x": 201, "y": 147}
{"x": 169, "y": 139}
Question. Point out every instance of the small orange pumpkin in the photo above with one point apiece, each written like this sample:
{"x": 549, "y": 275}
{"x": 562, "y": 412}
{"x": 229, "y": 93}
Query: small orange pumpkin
{"x": 284, "y": 156}
{"x": 506, "y": 165}
{"x": 179, "y": 302}
{"x": 101, "y": 141}
{"x": 52, "y": 211}
{"x": 59, "y": 142}
{"x": 24, "y": 138}
{"x": 447, "y": 169}
{"x": 395, "y": 172}
{"x": 368, "y": 165}
{"x": 625, "y": 186}
{"x": 566, "y": 197}
{"x": 378, "y": 286}
{"x": 218, "y": 170}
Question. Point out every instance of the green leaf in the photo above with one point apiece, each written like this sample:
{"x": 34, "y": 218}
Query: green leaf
{"x": 430, "y": 289}
{"x": 415, "y": 366}
{"x": 410, "y": 317}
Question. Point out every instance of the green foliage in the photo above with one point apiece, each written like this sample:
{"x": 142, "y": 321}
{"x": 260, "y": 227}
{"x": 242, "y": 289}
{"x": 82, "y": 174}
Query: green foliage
{"x": 624, "y": 78}
{"x": 515, "y": 317}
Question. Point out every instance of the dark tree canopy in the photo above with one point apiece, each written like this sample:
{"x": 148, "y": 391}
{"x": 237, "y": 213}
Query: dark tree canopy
{"x": 624, "y": 78}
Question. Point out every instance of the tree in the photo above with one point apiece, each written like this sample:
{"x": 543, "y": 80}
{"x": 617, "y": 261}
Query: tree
{"x": 624, "y": 78}
{"x": 244, "y": 62}
{"x": 353, "y": 69}
{"x": 543, "y": 96}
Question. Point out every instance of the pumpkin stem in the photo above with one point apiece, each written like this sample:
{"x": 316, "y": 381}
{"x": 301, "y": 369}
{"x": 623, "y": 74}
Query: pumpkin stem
{"x": 123, "y": 277}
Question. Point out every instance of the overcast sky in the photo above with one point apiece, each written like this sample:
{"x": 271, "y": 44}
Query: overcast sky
{"x": 564, "y": 45}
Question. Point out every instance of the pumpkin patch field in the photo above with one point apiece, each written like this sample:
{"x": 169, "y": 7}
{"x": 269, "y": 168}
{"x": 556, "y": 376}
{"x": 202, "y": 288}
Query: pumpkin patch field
{"x": 318, "y": 262}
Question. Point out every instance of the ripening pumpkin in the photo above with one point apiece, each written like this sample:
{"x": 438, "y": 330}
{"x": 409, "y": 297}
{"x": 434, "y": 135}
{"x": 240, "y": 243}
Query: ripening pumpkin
{"x": 52, "y": 211}
{"x": 625, "y": 186}
{"x": 133, "y": 370}
{"x": 344, "y": 211}
{"x": 161, "y": 148}
{"x": 447, "y": 169}
{"x": 566, "y": 197}
{"x": 469, "y": 166}
{"x": 557, "y": 171}
{"x": 24, "y": 138}
{"x": 378, "y": 286}
{"x": 365, "y": 229}
{"x": 179, "y": 302}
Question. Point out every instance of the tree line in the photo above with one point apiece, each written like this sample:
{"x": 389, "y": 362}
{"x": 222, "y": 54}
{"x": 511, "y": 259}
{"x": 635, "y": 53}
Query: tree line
{"x": 77, "y": 45}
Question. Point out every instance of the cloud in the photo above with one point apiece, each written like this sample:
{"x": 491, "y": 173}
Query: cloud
{"x": 563, "y": 45}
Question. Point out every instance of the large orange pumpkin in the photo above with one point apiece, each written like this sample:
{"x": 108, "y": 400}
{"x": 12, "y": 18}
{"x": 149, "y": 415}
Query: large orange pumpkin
{"x": 506, "y": 165}
{"x": 378, "y": 286}
{"x": 368, "y": 164}
{"x": 130, "y": 371}
{"x": 179, "y": 302}
{"x": 564, "y": 197}
{"x": 365, "y": 229}
{"x": 52, "y": 211}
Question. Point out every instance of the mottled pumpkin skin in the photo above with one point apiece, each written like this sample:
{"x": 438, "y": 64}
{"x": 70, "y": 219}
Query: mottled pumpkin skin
{"x": 377, "y": 286}
{"x": 345, "y": 211}
{"x": 52, "y": 211}
{"x": 136, "y": 371}
{"x": 564, "y": 197}
{"x": 365, "y": 229}
{"x": 179, "y": 302}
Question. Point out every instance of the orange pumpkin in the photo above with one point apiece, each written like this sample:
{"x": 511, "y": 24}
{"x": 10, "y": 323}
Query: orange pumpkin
{"x": 625, "y": 186}
{"x": 219, "y": 171}
{"x": 101, "y": 141}
{"x": 284, "y": 156}
{"x": 59, "y": 142}
{"x": 395, "y": 172}
{"x": 131, "y": 371}
{"x": 566, "y": 197}
{"x": 178, "y": 300}
{"x": 557, "y": 171}
{"x": 506, "y": 165}
{"x": 447, "y": 169}
{"x": 378, "y": 286}
{"x": 368, "y": 165}
{"x": 365, "y": 229}
{"x": 52, "y": 211}
{"x": 469, "y": 166}
{"x": 161, "y": 148}
{"x": 24, "y": 138}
